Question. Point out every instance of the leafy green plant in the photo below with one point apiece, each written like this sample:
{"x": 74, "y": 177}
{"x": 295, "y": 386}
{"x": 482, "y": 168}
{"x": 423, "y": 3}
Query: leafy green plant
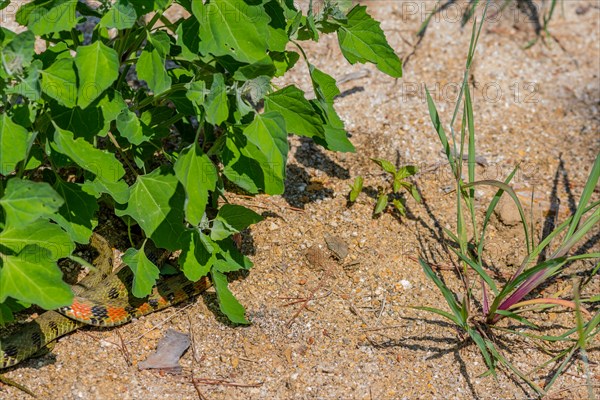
{"x": 398, "y": 176}
{"x": 152, "y": 118}
{"x": 355, "y": 189}
{"x": 479, "y": 319}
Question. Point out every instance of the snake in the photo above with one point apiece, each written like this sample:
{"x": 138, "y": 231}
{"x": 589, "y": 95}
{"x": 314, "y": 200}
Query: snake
{"x": 101, "y": 299}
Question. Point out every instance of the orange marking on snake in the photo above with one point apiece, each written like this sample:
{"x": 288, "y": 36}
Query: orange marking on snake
{"x": 145, "y": 308}
{"x": 80, "y": 310}
{"x": 116, "y": 314}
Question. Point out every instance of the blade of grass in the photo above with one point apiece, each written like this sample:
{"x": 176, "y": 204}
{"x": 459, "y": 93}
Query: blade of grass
{"x": 586, "y": 195}
{"x": 513, "y": 195}
{"x": 588, "y": 224}
{"x": 511, "y": 285}
{"x": 446, "y": 292}
{"x": 488, "y": 279}
{"x": 515, "y": 370}
{"x": 469, "y": 12}
{"x": 471, "y": 155}
{"x": 517, "y": 317}
{"x": 438, "y": 126}
{"x": 480, "y": 342}
{"x": 561, "y": 367}
{"x": 531, "y": 280}
{"x": 536, "y": 251}
{"x": 547, "y": 300}
{"x": 439, "y": 312}
{"x": 490, "y": 210}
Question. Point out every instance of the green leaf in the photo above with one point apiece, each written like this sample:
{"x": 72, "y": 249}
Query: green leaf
{"x": 217, "y": 109}
{"x": 256, "y": 168}
{"x": 198, "y": 175}
{"x": 356, "y": 188}
{"x": 30, "y": 86}
{"x": 130, "y": 128}
{"x": 145, "y": 273}
{"x": 156, "y": 203}
{"x": 382, "y": 202}
{"x": 336, "y": 137}
{"x": 399, "y": 206}
{"x": 26, "y": 201}
{"x": 48, "y": 16}
{"x": 102, "y": 163}
{"x": 188, "y": 39}
{"x": 230, "y": 259}
{"x": 32, "y": 277}
{"x": 362, "y": 40}
{"x": 18, "y": 53}
{"x": 161, "y": 41}
{"x": 145, "y": 7}
{"x": 59, "y": 81}
{"x": 87, "y": 123}
{"x": 196, "y": 92}
{"x": 197, "y": 256}
{"x": 119, "y": 190}
{"x": 121, "y": 15}
{"x": 268, "y": 135}
{"x": 232, "y": 28}
{"x": 385, "y": 165}
{"x": 111, "y": 104}
{"x": 13, "y": 144}
{"x": 284, "y": 61}
{"x": 299, "y": 115}
{"x": 228, "y": 304}
{"x": 6, "y": 308}
{"x": 324, "y": 85}
{"x": 41, "y": 233}
{"x": 277, "y": 38}
{"x": 406, "y": 171}
{"x": 263, "y": 67}
{"x": 77, "y": 215}
{"x": 97, "y": 67}
{"x": 414, "y": 193}
{"x": 151, "y": 68}
{"x": 232, "y": 219}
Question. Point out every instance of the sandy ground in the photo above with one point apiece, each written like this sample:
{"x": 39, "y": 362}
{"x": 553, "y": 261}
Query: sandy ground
{"x": 357, "y": 338}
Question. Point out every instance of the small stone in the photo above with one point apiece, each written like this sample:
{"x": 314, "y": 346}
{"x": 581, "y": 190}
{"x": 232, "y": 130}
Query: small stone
{"x": 273, "y": 226}
{"x": 507, "y": 212}
{"x": 337, "y": 246}
{"x": 406, "y": 284}
{"x": 288, "y": 356}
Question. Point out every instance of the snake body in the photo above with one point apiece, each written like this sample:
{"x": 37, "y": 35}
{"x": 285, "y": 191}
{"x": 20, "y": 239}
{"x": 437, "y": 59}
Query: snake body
{"x": 102, "y": 299}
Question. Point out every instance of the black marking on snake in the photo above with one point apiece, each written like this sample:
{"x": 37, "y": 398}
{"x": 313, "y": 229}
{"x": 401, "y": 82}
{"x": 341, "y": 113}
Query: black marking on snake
{"x": 189, "y": 289}
{"x": 113, "y": 293}
{"x": 162, "y": 286}
{"x": 129, "y": 309}
{"x": 170, "y": 296}
{"x": 36, "y": 339}
{"x": 153, "y": 303}
{"x": 99, "y": 312}
{"x": 53, "y": 327}
{"x": 128, "y": 280}
{"x": 11, "y": 351}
